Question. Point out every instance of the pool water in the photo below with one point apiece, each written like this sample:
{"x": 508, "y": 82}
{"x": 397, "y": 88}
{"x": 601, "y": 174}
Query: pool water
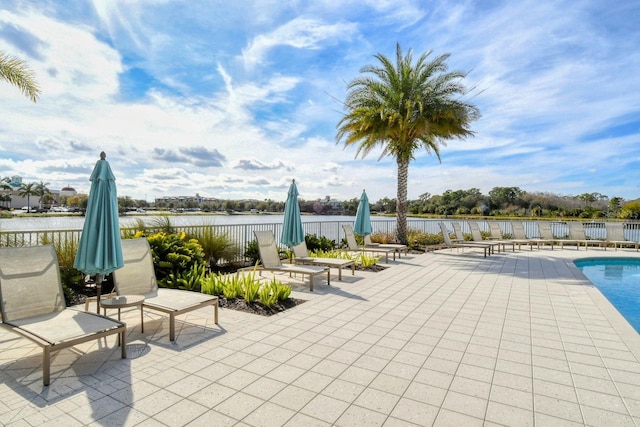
{"x": 619, "y": 280}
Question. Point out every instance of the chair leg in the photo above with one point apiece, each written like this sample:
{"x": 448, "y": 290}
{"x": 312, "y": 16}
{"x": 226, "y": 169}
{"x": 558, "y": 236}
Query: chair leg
{"x": 123, "y": 344}
{"x": 172, "y": 327}
{"x": 215, "y": 312}
{"x": 46, "y": 365}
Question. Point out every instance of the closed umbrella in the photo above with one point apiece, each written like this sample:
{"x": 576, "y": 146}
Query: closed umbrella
{"x": 292, "y": 232}
{"x": 362, "y": 225}
{"x": 100, "y": 249}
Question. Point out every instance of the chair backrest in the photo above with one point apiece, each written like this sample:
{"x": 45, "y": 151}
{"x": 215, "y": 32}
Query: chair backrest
{"x": 494, "y": 227}
{"x": 445, "y": 234}
{"x": 351, "y": 238}
{"x": 476, "y": 234}
{"x": 137, "y": 276}
{"x": 615, "y": 231}
{"x": 268, "y": 249}
{"x": 518, "y": 230}
{"x": 545, "y": 230}
{"x": 29, "y": 282}
{"x": 576, "y": 230}
{"x": 367, "y": 240}
{"x": 301, "y": 251}
{"x": 458, "y": 230}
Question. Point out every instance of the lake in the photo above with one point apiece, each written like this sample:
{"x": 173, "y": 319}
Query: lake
{"x": 62, "y": 222}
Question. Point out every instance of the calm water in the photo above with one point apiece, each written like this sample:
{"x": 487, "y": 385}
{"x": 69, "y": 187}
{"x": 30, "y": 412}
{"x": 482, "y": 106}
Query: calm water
{"x": 61, "y": 222}
{"x": 619, "y": 280}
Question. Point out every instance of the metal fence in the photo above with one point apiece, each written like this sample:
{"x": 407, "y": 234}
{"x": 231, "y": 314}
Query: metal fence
{"x": 242, "y": 234}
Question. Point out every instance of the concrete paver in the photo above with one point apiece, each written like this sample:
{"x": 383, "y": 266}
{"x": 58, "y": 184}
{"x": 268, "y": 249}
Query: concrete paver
{"x": 445, "y": 338}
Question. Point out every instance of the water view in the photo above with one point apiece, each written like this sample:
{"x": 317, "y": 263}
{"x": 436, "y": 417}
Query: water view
{"x": 76, "y": 222}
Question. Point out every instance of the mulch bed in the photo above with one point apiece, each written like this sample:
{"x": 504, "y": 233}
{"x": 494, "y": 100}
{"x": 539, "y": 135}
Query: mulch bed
{"x": 81, "y": 292}
{"x": 240, "y": 304}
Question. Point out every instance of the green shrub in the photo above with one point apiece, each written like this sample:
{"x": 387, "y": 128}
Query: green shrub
{"x": 314, "y": 243}
{"x": 217, "y": 247}
{"x": 252, "y": 252}
{"x": 250, "y": 287}
{"x": 174, "y": 254}
{"x": 212, "y": 284}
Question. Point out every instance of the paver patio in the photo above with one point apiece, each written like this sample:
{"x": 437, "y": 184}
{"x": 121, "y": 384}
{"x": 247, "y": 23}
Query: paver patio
{"x": 445, "y": 338}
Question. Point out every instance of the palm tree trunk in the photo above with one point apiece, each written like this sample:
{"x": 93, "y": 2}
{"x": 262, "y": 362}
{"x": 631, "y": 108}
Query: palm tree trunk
{"x": 401, "y": 203}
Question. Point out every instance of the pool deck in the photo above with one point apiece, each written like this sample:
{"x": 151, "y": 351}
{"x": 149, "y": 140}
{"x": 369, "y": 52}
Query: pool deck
{"x": 447, "y": 338}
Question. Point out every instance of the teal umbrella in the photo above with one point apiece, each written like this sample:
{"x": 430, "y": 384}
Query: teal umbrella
{"x": 100, "y": 249}
{"x": 292, "y": 232}
{"x": 362, "y": 225}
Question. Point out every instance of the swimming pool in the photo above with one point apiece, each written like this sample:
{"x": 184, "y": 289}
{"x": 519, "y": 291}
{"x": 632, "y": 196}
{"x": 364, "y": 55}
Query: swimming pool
{"x": 619, "y": 280}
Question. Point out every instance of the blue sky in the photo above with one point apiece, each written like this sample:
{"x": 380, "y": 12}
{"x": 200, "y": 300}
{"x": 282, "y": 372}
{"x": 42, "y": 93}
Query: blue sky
{"x": 235, "y": 99}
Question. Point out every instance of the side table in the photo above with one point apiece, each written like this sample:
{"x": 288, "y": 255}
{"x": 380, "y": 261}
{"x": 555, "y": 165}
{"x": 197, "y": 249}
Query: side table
{"x": 121, "y": 302}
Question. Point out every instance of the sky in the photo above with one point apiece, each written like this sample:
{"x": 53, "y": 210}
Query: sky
{"x": 233, "y": 100}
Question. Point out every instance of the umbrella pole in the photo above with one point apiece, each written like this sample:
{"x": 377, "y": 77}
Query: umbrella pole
{"x": 99, "y": 278}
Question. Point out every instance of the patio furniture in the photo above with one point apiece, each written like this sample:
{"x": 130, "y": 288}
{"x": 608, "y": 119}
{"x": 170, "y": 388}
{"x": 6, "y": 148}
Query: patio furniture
{"x": 32, "y": 305}
{"x": 520, "y": 236}
{"x": 302, "y": 257}
{"x": 615, "y": 236}
{"x": 476, "y": 234}
{"x": 546, "y": 234}
{"x": 270, "y": 260}
{"x": 448, "y": 243}
{"x": 577, "y": 235}
{"x": 398, "y": 248}
{"x": 354, "y": 247}
{"x": 460, "y": 238}
{"x": 138, "y": 277}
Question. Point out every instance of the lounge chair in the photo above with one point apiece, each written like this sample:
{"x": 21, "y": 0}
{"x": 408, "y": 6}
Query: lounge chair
{"x": 577, "y": 236}
{"x": 520, "y": 236}
{"x": 496, "y": 235}
{"x": 138, "y": 277}
{"x": 398, "y": 248}
{"x": 32, "y": 304}
{"x": 354, "y": 247}
{"x": 301, "y": 256}
{"x": 460, "y": 239}
{"x": 615, "y": 236}
{"x": 270, "y": 260}
{"x": 546, "y": 234}
{"x": 476, "y": 234}
{"x": 448, "y": 243}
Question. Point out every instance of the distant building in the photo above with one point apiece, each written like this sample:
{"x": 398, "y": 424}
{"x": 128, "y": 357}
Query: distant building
{"x": 185, "y": 201}
{"x": 68, "y": 192}
{"x": 330, "y": 206}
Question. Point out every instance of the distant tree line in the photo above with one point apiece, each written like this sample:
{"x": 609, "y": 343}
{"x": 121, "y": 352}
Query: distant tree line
{"x": 500, "y": 201}
{"x": 513, "y": 201}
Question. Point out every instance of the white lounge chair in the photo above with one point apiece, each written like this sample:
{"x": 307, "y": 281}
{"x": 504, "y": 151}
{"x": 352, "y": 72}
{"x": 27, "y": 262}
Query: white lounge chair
{"x": 138, "y": 277}
{"x": 615, "y": 236}
{"x": 476, "y": 234}
{"x": 398, "y": 248}
{"x": 577, "y": 235}
{"x": 355, "y": 247}
{"x": 448, "y": 243}
{"x": 519, "y": 236}
{"x": 270, "y": 260}
{"x": 460, "y": 239}
{"x": 546, "y": 234}
{"x": 301, "y": 256}
{"x": 32, "y": 304}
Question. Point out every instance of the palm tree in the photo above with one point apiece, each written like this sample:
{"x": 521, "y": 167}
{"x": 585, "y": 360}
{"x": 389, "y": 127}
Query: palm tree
{"x": 30, "y": 189}
{"x": 4, "y": 186}
{"x": 402, "y": 107}
{"x": 16, "y": 72}
{"x": 42, "y": 190}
